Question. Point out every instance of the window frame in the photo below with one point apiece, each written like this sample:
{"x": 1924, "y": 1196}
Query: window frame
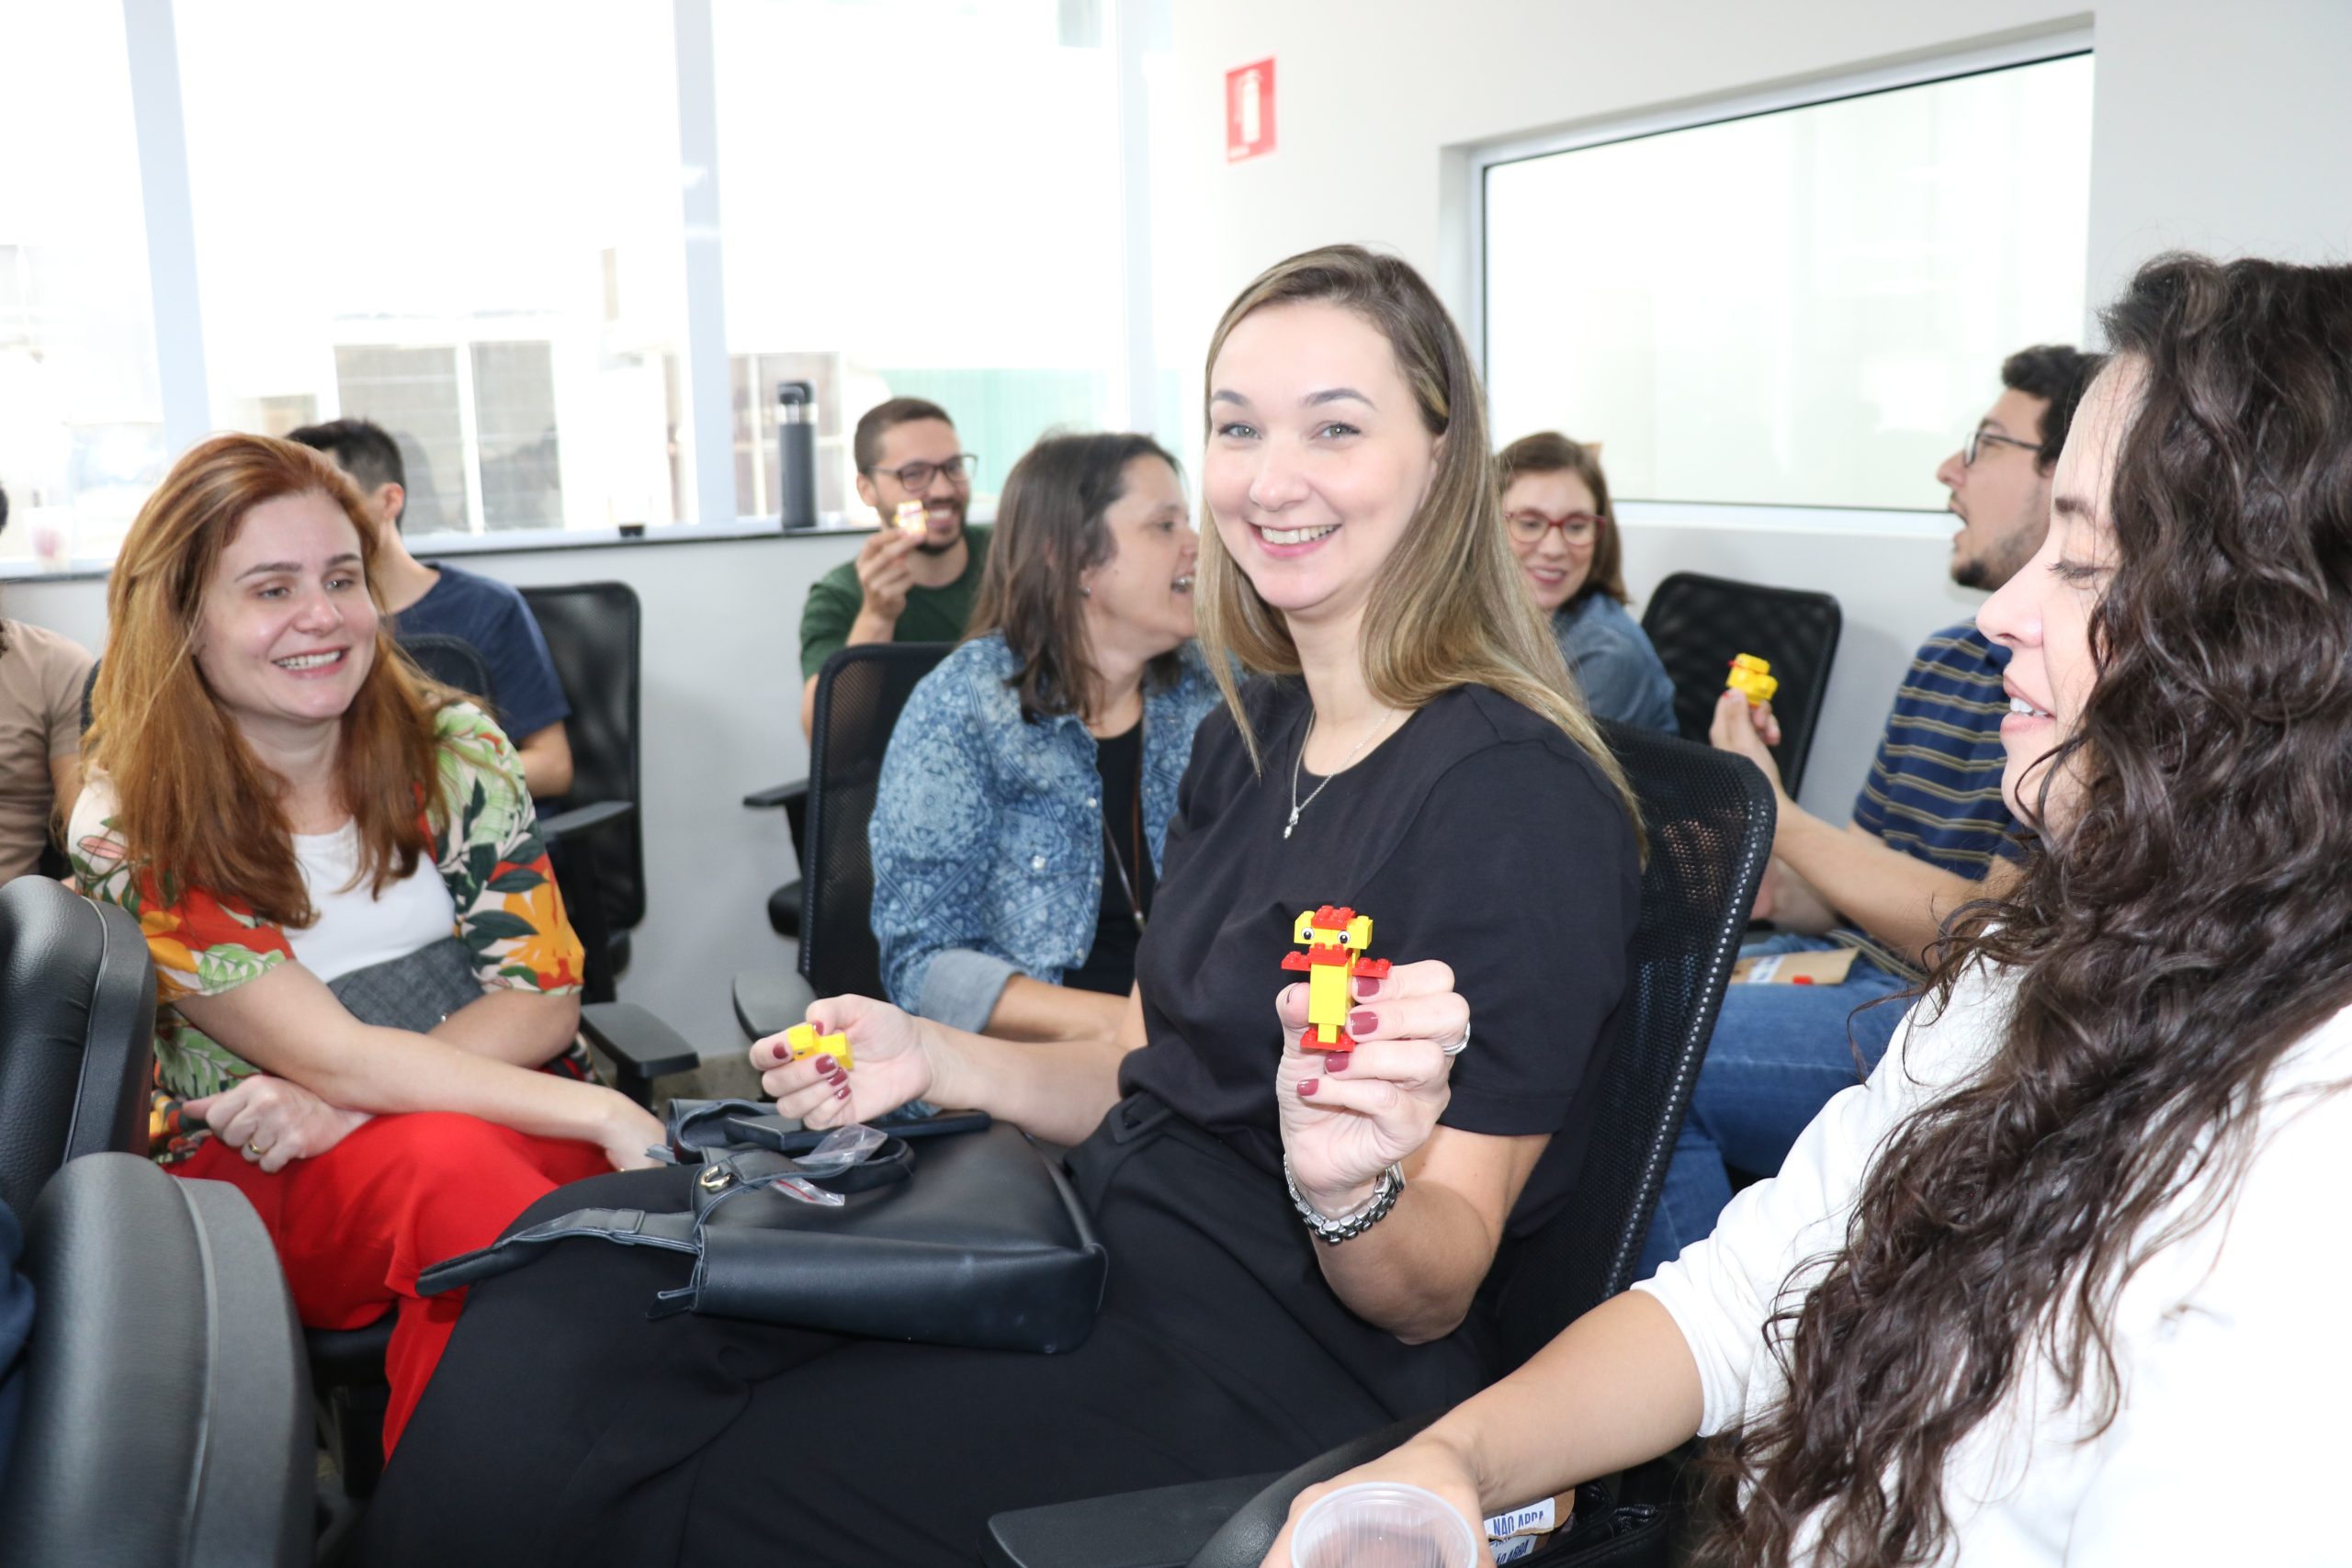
{"x": 1130, "y": 31}
{"x": 1947, "y": 65}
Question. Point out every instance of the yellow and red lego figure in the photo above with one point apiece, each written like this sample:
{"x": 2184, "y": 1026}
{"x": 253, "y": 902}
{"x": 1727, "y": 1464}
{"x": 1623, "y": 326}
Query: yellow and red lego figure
{"x": 1752, "y": 678}
{"x": 802, "y": 1039}
{"x": 1335, "y": 940}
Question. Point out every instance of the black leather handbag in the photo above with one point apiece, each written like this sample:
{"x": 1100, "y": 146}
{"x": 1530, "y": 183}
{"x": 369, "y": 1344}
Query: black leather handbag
{"x": 972, "y": 1239}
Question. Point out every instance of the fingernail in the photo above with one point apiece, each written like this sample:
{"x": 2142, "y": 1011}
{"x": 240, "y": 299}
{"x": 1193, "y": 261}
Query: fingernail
{"x": 1335, "y": 1061}
{"x": 1362, "y": 1021}
{"x": 842, "y": 1093}
{"x": 1307, "y": 1088}
{"x": 829, "y": 1067}
{"x": 1366, "y": 987}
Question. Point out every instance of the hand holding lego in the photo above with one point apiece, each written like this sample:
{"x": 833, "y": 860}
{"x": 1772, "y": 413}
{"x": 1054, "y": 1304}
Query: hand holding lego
{"x": 1749, "y": 729}
{"x": 852, "y": 1060}
{"x": 883, "y": 574}
{"x": 1347, "y": 1115}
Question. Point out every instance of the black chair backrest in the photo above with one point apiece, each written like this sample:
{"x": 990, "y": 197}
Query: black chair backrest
{"x": 165, "y": 1415}
{"x": 454, "y": 661}
{"x": 859, "y": 693}
{"x": 1709, "y": 817}
{"x": 1698, "y": 624}
{"x": 593, "y": 631}
{"x": 77, "y": 1033}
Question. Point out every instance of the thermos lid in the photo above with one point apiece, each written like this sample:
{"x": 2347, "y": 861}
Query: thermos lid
{"x": 796, "y": 402}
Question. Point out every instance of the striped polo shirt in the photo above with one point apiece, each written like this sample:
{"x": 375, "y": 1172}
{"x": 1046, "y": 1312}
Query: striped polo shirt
{"x": 1934, "y": 791}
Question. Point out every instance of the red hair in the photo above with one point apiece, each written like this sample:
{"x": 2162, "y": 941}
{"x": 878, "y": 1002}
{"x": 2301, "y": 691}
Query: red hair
{"x": 193, "y": 806}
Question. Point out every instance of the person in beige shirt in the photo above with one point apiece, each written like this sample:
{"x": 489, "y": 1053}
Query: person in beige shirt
{"x": 41, "y": 676}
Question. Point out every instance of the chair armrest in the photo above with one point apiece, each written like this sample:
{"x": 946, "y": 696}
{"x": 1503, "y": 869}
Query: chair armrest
{"x": 1211, "y": 1524}
{"x": 1158, "y": 1528}
{"x": 581, "y": 818}
{"x": 778, "y": 795}
{"x": 767, "y": 1000}
{"x": 640, "y": 1045}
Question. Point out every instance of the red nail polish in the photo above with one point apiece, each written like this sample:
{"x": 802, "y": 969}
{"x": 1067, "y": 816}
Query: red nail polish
{"x": 1367, "y": 987}
{"x": 1362, "y": 1021}
{"x": 842, "y": 1093}
{"x": 1335, "y": 1061}
{"x": 1307, "y": 1089}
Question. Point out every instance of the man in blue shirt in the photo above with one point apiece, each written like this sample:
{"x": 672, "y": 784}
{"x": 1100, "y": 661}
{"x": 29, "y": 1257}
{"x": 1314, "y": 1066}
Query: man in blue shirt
{"x": 449, "y": 601}
{"x": 1930, "y": 832}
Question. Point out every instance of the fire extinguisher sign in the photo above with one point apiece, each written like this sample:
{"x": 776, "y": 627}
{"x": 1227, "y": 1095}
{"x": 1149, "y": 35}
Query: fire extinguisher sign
{"x": 1250, "y": 112}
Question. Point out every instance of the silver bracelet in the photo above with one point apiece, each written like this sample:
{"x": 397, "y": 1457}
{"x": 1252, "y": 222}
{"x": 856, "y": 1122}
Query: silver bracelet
{"x": 1331, "y": 1232}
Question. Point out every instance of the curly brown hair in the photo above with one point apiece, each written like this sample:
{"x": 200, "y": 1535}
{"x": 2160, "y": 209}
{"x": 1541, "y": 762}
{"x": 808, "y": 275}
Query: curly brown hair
{"x": 2169, "y": 942}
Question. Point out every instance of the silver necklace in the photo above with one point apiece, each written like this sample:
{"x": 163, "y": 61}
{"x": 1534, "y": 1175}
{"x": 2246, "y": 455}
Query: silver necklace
{"x": 1296, "y": 805}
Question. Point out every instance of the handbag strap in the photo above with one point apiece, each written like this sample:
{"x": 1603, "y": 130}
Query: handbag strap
{"x": 678, "y": 1230}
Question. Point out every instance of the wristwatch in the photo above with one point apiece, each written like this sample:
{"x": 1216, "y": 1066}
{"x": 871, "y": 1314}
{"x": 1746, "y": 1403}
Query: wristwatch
{"x": 1331, "y": 1232}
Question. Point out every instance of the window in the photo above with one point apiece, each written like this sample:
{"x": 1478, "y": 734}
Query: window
{"x": 471, "y": 224}
{"x": 924, "y": 223}
{"x": 80, "y": 408}
{"x": 479, "y": 246}
{"x": 1801, "y": 307}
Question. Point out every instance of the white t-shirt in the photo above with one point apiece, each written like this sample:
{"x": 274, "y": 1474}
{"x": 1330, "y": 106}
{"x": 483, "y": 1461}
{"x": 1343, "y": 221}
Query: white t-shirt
{"x": 2228, "y": 1445}
{"x": 354, "y": 929}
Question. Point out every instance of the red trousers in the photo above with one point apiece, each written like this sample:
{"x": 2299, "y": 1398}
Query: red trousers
{"x": 356, "y": 1225}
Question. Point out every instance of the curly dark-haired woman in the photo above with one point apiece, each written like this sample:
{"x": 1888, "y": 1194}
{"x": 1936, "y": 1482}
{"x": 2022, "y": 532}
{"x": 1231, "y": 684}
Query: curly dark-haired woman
{"x": 2068, "y": 1258}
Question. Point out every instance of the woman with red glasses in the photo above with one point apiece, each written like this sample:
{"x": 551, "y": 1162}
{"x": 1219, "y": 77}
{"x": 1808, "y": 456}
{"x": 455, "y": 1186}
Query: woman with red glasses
{"x": 1555, "y": 503}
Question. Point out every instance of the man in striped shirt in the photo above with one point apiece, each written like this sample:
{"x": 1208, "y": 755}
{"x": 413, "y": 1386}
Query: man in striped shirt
{"x": 1929, "y": 832}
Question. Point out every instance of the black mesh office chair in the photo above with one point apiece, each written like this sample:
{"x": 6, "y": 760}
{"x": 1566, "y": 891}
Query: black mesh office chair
{"x": 456, "y": 663}
{"x": 1698, "y": 624}
{"x": 77, "y": 1033}
{"x": 164, "y": 1416}
{"x": 598, "y": 840}
{"x": 1709, "y": 817}
{"x": 859, "y": 695}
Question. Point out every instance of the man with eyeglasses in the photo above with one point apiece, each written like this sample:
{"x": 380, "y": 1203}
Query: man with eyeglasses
{"x": 1929, "y": 832}
{"x": 904, "y": 586}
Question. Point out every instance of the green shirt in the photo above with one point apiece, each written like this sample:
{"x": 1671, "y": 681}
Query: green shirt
{"x": 932, "y": 615}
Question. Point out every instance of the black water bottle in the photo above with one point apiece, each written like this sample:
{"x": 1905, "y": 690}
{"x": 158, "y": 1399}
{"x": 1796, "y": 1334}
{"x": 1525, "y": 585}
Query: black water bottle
{"x": 796, "y": 452}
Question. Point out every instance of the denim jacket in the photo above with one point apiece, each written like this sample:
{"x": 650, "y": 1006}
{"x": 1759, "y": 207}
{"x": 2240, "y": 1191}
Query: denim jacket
{"x": 1621, "y": 672}
{"x": 987, "y": 832}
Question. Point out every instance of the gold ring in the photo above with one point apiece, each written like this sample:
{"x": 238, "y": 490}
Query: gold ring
{"x": 255, "y": 1150}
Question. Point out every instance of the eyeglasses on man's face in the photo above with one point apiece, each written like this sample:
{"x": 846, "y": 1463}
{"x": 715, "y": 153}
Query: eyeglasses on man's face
{"x": 1980, "y": 438}
{"x": 1529, "y": 528}
{"x": 917, "y": 477}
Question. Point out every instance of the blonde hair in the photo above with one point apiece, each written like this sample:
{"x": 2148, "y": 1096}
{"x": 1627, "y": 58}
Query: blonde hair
{"x": 1449, "y": 609}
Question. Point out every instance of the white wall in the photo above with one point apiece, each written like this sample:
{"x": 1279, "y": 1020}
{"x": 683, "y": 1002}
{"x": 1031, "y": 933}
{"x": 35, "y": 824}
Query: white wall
{"x": 721, "y": 704}
{"x": 2226, "y": 129}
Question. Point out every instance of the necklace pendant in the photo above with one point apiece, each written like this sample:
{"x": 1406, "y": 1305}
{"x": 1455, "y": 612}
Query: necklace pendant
{"x": 1291, "y": 823}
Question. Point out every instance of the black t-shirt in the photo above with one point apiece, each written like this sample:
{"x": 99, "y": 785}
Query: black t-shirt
{"x": 1479, "y": 834}
{"x": 1111, "y": 963}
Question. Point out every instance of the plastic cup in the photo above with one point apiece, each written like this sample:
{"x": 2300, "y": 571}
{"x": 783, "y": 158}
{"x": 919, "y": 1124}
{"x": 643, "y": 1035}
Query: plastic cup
{"x": 1377, "y": 1525}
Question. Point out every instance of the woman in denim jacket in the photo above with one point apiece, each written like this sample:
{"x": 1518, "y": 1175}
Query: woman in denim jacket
{"x": 1028, "y": 787}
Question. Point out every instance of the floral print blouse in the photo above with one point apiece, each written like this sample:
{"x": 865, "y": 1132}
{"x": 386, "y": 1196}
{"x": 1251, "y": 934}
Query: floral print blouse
{"x": 489, "y": 856}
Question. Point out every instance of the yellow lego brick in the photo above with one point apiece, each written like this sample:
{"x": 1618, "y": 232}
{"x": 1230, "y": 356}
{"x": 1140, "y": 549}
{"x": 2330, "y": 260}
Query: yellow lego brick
{"x": 802, "y": 1039}
{"x": 1752, "y": 678}
{"x": 1326, "y": 1003}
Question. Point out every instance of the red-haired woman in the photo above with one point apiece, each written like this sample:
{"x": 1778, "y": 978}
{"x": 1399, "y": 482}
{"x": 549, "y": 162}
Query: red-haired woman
{"x": 288, "y": 807}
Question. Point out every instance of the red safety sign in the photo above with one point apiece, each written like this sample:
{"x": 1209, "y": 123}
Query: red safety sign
{"x": 1250, "y": 112}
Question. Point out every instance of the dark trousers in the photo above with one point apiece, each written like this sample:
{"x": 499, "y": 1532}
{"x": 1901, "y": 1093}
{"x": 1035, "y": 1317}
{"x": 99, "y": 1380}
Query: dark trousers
{"x": 565, "y": 1427}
